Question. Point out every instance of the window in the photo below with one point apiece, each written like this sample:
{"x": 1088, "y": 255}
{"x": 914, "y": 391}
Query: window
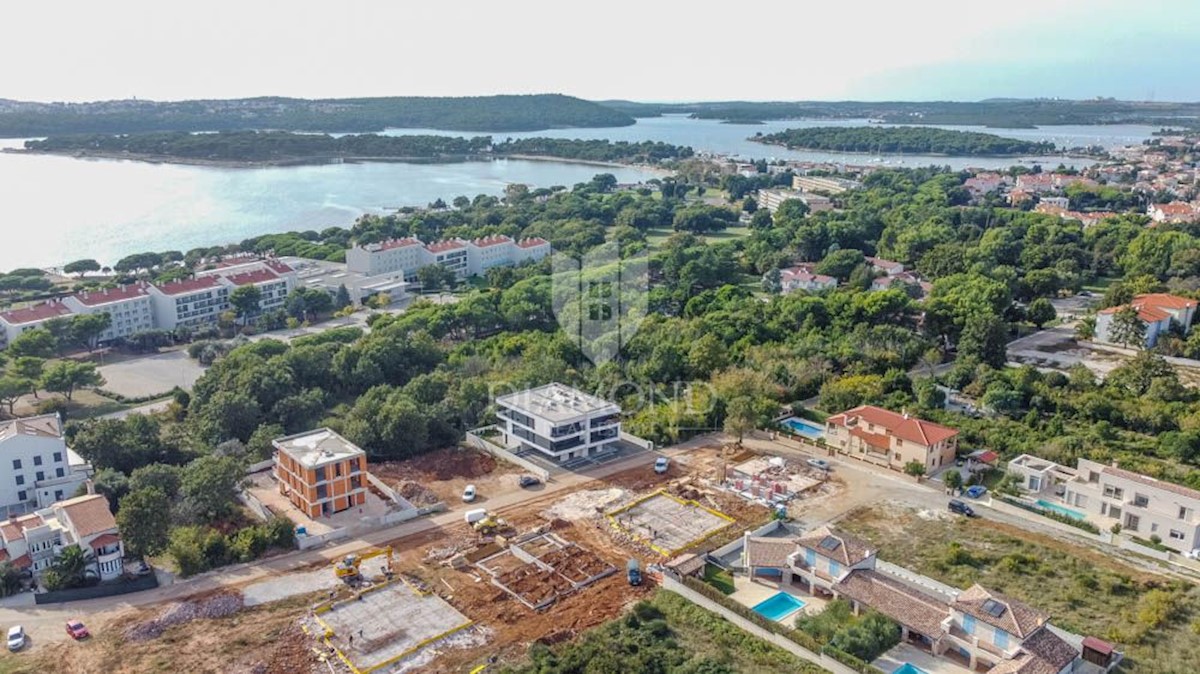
{"x": 1141, "y": 500}
{"x": 321, "y": 474}
{"x": 835, "y": 569}
{"x": 16, "y": 464}
{"x": 810, "y": 557}
{"x": 59, "y": 472}
{"x": 58, "y": 457}
{"x": 21, "y": 496}
{"x": 1185, "y": 513}
{"x": 1177, "y": 535}
{"x": 58, "y": 495}
{"x": 1132, "y": 522}
{"x": 1000, "y": 638}
{"x": 41, "y": 476}
{"x": 20, "y": 480}
{"x": 968, "y": 624}
{"x": 1113, "y": 492}
{"x": 37, "y": 460}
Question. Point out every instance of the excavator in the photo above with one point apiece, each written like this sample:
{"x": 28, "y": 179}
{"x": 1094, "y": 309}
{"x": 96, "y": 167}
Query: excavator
{"x": 348, "y": 568}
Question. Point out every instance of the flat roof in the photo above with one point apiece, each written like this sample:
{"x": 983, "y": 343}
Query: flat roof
{"x": 317, "y": 448}
{"x": 556, "y": 402}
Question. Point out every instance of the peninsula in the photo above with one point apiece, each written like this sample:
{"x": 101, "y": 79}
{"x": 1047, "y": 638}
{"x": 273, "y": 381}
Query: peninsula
{"x": 903, "y": 139}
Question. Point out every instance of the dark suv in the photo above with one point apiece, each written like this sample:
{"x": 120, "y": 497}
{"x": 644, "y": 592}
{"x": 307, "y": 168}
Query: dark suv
{"x": 957, "y": 506}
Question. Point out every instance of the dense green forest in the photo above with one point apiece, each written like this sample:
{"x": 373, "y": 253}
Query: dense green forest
{"x": 285, "y": 146}
{"x": 715, "y": 351}
{"x": 908, "y": 139}
{"x": 479, "y": 113}
{"x": 998, "y": 113}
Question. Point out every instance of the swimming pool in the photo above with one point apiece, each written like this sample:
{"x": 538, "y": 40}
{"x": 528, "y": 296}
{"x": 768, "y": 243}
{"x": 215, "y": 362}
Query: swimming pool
{"x": 778, "y": 606}
{"x": 1073, "y": 514}
{"x": 801, "y": 427}
{"x": 908, "y": 668}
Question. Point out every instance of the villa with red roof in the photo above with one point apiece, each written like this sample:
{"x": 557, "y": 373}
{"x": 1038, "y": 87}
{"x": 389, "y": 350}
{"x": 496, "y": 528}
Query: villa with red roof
{"x": 803, "y": 278}
{"x": 1156, "y": 311}
{"x": 1177, "y": 211}
{"x": 35, "y": 540}
{"x": 891, "y": 439}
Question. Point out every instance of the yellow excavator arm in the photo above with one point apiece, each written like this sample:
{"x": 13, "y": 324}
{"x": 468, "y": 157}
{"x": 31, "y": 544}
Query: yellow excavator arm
{"x": 348, "y": 567}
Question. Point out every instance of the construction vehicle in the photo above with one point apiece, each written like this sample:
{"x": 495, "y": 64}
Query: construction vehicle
{"x": 348, "y": 568}
{"x": 633, "y": 572}
{"x": 491, "y": 524}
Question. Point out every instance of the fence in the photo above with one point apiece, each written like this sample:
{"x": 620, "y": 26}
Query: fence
{"x": 307, "y": 542}
{"x": 636, "y": 441}
{"x": 261, "y": 465}
{"x": 1134, "y": 546}
{"x": 474, "y": 439}
{"x": 109, "y": 589}
{"x": 819, "y": 659}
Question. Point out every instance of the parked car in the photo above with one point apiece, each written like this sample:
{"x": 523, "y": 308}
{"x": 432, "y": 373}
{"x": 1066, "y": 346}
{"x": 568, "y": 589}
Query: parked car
{"x": 819, "y": 464}
{"x": 527, "y": 481}
{"x": 16, "y": 638}
{"x": 661, "y": 464}
{"x": 633, "y": 572}
{"x": 957, "y": 506}
{"x": 469, "y": 493}
{"x": 77, "y": 630}
{"x": 144, "y": 569}
{"x": 976, "y": 491}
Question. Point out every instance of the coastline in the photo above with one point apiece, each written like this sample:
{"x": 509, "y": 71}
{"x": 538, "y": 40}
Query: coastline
{"x": 1068, "y": 155}
{"x": 324, "y": 160}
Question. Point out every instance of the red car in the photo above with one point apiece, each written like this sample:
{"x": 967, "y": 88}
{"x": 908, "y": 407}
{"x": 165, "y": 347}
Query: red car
{"x": 77, "y": 630}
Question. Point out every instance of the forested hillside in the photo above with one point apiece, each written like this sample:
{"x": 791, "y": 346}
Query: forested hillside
{"x": 903, "y": 139}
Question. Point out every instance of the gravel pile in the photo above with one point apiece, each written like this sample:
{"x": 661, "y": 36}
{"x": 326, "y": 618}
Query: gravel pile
{"x": 216, "y": 606}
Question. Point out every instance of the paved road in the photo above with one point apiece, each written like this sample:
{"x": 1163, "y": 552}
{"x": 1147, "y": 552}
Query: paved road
{"x": 45, "y": 623}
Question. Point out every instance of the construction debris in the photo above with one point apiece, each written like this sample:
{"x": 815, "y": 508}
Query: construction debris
{"x": 212, "y": 606}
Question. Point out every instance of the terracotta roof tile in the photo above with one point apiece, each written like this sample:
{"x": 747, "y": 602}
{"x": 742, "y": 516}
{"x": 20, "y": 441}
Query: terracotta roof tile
{"x": 532, "y": 242}
{"x": 919, "y": 611}
{"x": 769, "y": 552}
{"x": 1018, "y": 619}
{"x": 253, "y": 277}
{"x": 38, "y": 312}
{"x": 848, "y": 550}
{"x": 1151, "y": 482}
{"x": 902, "y": 426}
{"x": 95, "y": 298}
{"x": 188, "y": 286}
{"x": 14, "y": 529}
{"x": 88, "y": 515}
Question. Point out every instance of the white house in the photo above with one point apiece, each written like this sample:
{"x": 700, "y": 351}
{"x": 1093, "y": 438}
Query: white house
{"x": 559, "y": 421}
{"x": 803, "y": 278}
{"x": 1156, "y": 311}
{"x": 34, "y": 541}
{"x": 36, "y": 466}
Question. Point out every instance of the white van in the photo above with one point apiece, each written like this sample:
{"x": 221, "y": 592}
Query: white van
{"x": 476, "y": 515}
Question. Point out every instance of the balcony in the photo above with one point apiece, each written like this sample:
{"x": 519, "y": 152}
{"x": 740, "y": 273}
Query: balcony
{"x": 973, "y": 642}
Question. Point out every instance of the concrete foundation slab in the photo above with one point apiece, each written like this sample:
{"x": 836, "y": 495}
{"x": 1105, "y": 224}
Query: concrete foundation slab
{"x": 668, "y": 525}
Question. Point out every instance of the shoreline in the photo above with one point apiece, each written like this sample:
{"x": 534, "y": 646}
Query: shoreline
{"x": 324, "y": 160}
{"x": 860, "y": 153}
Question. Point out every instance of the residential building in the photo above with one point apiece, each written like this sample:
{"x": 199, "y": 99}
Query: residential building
{"x": 772, "y": 199}
{"x": 189, "y": 302}
{"x": 826, "y": 184}
{"x": 984, "y": 183}
{"x": 36, "y": 466}
{"x": 883, "y": 266}
{"x": 1057, "y": 202}
{"x": 16, "y": 321}
{"x": 1175, "y": 212}
{"x": 1157, "y": 311}
{"x": 320, "y": 472}
{"x": 35, "y": 541}
{"x": 128, "y": 306}
{"x": 979, "y": 629}
{"x": 889, "y": 439}
{"x": 560, "y": 422}
{"x": 1142, "y": 505}
{"x": 465, "y": 257}
{"x": 902, "y": 281}
{"x": 273, "y": 287}
{"x": 1035, "y": 183}
{"x": 803, "y": 278}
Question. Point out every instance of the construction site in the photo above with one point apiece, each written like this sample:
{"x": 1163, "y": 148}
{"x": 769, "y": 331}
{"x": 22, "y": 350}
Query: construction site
{"x": 773, "y": 480}
{"x": 545, "y": 568}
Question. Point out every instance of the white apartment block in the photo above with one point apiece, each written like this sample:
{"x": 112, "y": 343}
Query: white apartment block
{"x": 144, "y": 306}
{"x": 35, "y": 540}
{"x": 772, "y": 199}
{"x": 823, "y": 184}
{"x": 36, "y": 466}
{"x": 128, "y": 306}
{"x": 464, "y": 257}
{"x": 558, "y": 421}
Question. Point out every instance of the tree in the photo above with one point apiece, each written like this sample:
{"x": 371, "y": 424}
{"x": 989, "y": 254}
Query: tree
{"x": 145, "y": 521}
{"x": 914, "y": 468}
{"x": 209, "y": 487}
{"x": 772, "y": 282}
{"x": 36, "y": 343}
{"x": 953, "y": 479}
{"x": 70, "y": 569}
{"x": 66, "y": 376}
{"x": 11, "y": 390}
{"x": 342, "y": 299}
{"x": 1126, "y": 327}
{"x": 86, "y": 329}
{"x": 162, "y": 477}
{"x": 740, "y": 417}
{"x": 840, "y": 263}
{"x": 245, "y": 301}
{"x": 81, "y": 267}
{"x": 435, "y": 277}
{"x": 985, "y": 337}
{"x": 1040, "y": 312}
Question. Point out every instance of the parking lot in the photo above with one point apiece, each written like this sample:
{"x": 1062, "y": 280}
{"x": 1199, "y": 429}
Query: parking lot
{"x": 151, "y": 375}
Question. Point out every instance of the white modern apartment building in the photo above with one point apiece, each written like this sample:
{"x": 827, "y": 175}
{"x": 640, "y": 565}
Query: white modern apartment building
{"x": 559, "y": 421}
{"x": 36, "y": 466}
{"x": 1108, "y": 495}
{"x": 35, "y": 540}
{"x": 772, "y": 199}
{"x": 144, "y": 306}
{"x": 128, "y": 306}
{"x": 465, "y": 257}
{"x": 823, "y": 184}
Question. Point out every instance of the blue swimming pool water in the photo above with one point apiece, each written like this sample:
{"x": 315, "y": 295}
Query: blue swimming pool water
{"x": 909, "y": 668}
{"x": 1073, "y": 514}
{"x": 778, "y": 606}
{"x": 801, "y": 427}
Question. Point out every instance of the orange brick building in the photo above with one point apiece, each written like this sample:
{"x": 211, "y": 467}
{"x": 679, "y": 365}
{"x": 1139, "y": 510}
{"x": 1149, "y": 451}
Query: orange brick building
{"x": 321, "y": 472}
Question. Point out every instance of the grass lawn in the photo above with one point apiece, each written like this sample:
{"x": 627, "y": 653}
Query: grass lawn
{"x": 1099, "y": 285}
{"x": 1155, "y": 620}
{"x": 719, "y": 578}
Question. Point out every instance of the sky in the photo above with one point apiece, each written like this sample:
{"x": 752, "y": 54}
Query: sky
{"x": 650, "y": 50}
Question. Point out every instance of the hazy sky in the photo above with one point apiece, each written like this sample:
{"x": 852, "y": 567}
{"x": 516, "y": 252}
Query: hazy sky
{"x": 642, "y": 50}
